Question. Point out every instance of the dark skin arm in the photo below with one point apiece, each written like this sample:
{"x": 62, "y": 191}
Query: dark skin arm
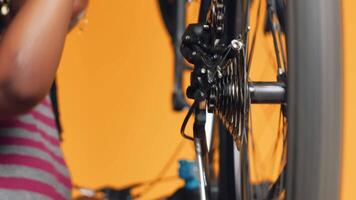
{"x": 30, "y": 51}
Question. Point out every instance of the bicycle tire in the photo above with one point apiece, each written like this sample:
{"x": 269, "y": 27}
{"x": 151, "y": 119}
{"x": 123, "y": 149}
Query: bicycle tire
{"x": 313, "y": 169}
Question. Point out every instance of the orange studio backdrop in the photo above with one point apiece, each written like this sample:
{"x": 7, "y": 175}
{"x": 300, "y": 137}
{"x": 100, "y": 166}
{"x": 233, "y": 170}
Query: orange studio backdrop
{"x": 349, "y": 148}
{"x": 115, "y": 84}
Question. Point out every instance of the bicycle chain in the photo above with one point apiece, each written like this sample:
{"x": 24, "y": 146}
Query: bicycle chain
{"x": 227, "y": 95}
{"x": 218, "y": 17}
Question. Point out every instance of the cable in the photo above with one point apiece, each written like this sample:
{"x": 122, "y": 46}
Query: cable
{"x": 163, "y": 170}
{"x": 89, "y": 192}
{"x": 254, "y": 37}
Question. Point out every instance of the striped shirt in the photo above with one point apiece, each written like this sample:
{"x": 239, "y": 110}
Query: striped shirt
{"x": 31, "y": 162}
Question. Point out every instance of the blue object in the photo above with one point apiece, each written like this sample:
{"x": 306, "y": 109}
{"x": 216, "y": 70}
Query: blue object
{"x": 188, "y": 171}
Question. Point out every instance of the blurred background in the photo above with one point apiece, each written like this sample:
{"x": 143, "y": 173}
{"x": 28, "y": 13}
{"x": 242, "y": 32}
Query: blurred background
{"x": 115, "y": 86}
{"x": 115, "y": 94}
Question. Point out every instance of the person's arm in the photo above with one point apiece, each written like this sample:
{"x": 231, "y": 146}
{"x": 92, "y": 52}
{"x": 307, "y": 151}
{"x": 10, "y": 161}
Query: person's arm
{"x": 30, "y": 51}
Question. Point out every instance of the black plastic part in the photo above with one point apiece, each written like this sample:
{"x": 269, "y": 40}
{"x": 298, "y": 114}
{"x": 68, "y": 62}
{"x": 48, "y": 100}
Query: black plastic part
{"x": 179, "y": 102}
{"x": 281, "y": 13}
{"x": 279, "y": 6}
{"x": 173, "y": 14}
{"x": 227, "y": 170}
{"x": 185, "y": 194}
{"x": 54, "y": 100}
{"x": 201, "y": 150}
{"x": 267, "y": 92}
{"x": 203, "y": 12}
{"x": 114, "y": 194}
{"x": 168, "y": 12}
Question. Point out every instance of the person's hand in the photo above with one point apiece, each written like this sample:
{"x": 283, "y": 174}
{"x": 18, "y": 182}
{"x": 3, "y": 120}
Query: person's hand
{"x": 78, "y": 12}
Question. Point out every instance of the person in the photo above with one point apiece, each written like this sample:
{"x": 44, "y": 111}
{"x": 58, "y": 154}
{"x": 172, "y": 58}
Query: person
{"x": 32, "y": 39}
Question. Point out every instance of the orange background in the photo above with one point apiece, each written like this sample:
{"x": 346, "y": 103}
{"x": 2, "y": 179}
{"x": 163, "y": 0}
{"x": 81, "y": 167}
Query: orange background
{"x": 349, "y": 148}
{"x": 115, "y": 87}
{"x": 115, "y": 94}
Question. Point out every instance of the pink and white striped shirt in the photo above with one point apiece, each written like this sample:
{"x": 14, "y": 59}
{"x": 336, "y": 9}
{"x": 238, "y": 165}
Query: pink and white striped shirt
{"x": 31, "y": 162}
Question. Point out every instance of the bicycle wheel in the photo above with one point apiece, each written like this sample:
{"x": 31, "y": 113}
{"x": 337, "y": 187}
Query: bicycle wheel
{"x": 218, "y": 49}
{"x": 315, "y": 93}
{"x": 225, "y": 178}
{"x": 221, "y": 78}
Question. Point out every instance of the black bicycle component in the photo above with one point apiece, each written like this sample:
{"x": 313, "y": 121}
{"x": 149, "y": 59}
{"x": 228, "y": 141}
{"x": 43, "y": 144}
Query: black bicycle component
{"x": 220, "y": 78}
{"x": 115, "y": 194}
{"x": 267, "y": 92}
{"x": 226, "y": 176}
{"x": 279, "y": 7}
{"x": 204, "y": 9}
{"x": 201, "y": 149}
{"x": 174, "y": 16}
{"x": 186, "y": 119}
